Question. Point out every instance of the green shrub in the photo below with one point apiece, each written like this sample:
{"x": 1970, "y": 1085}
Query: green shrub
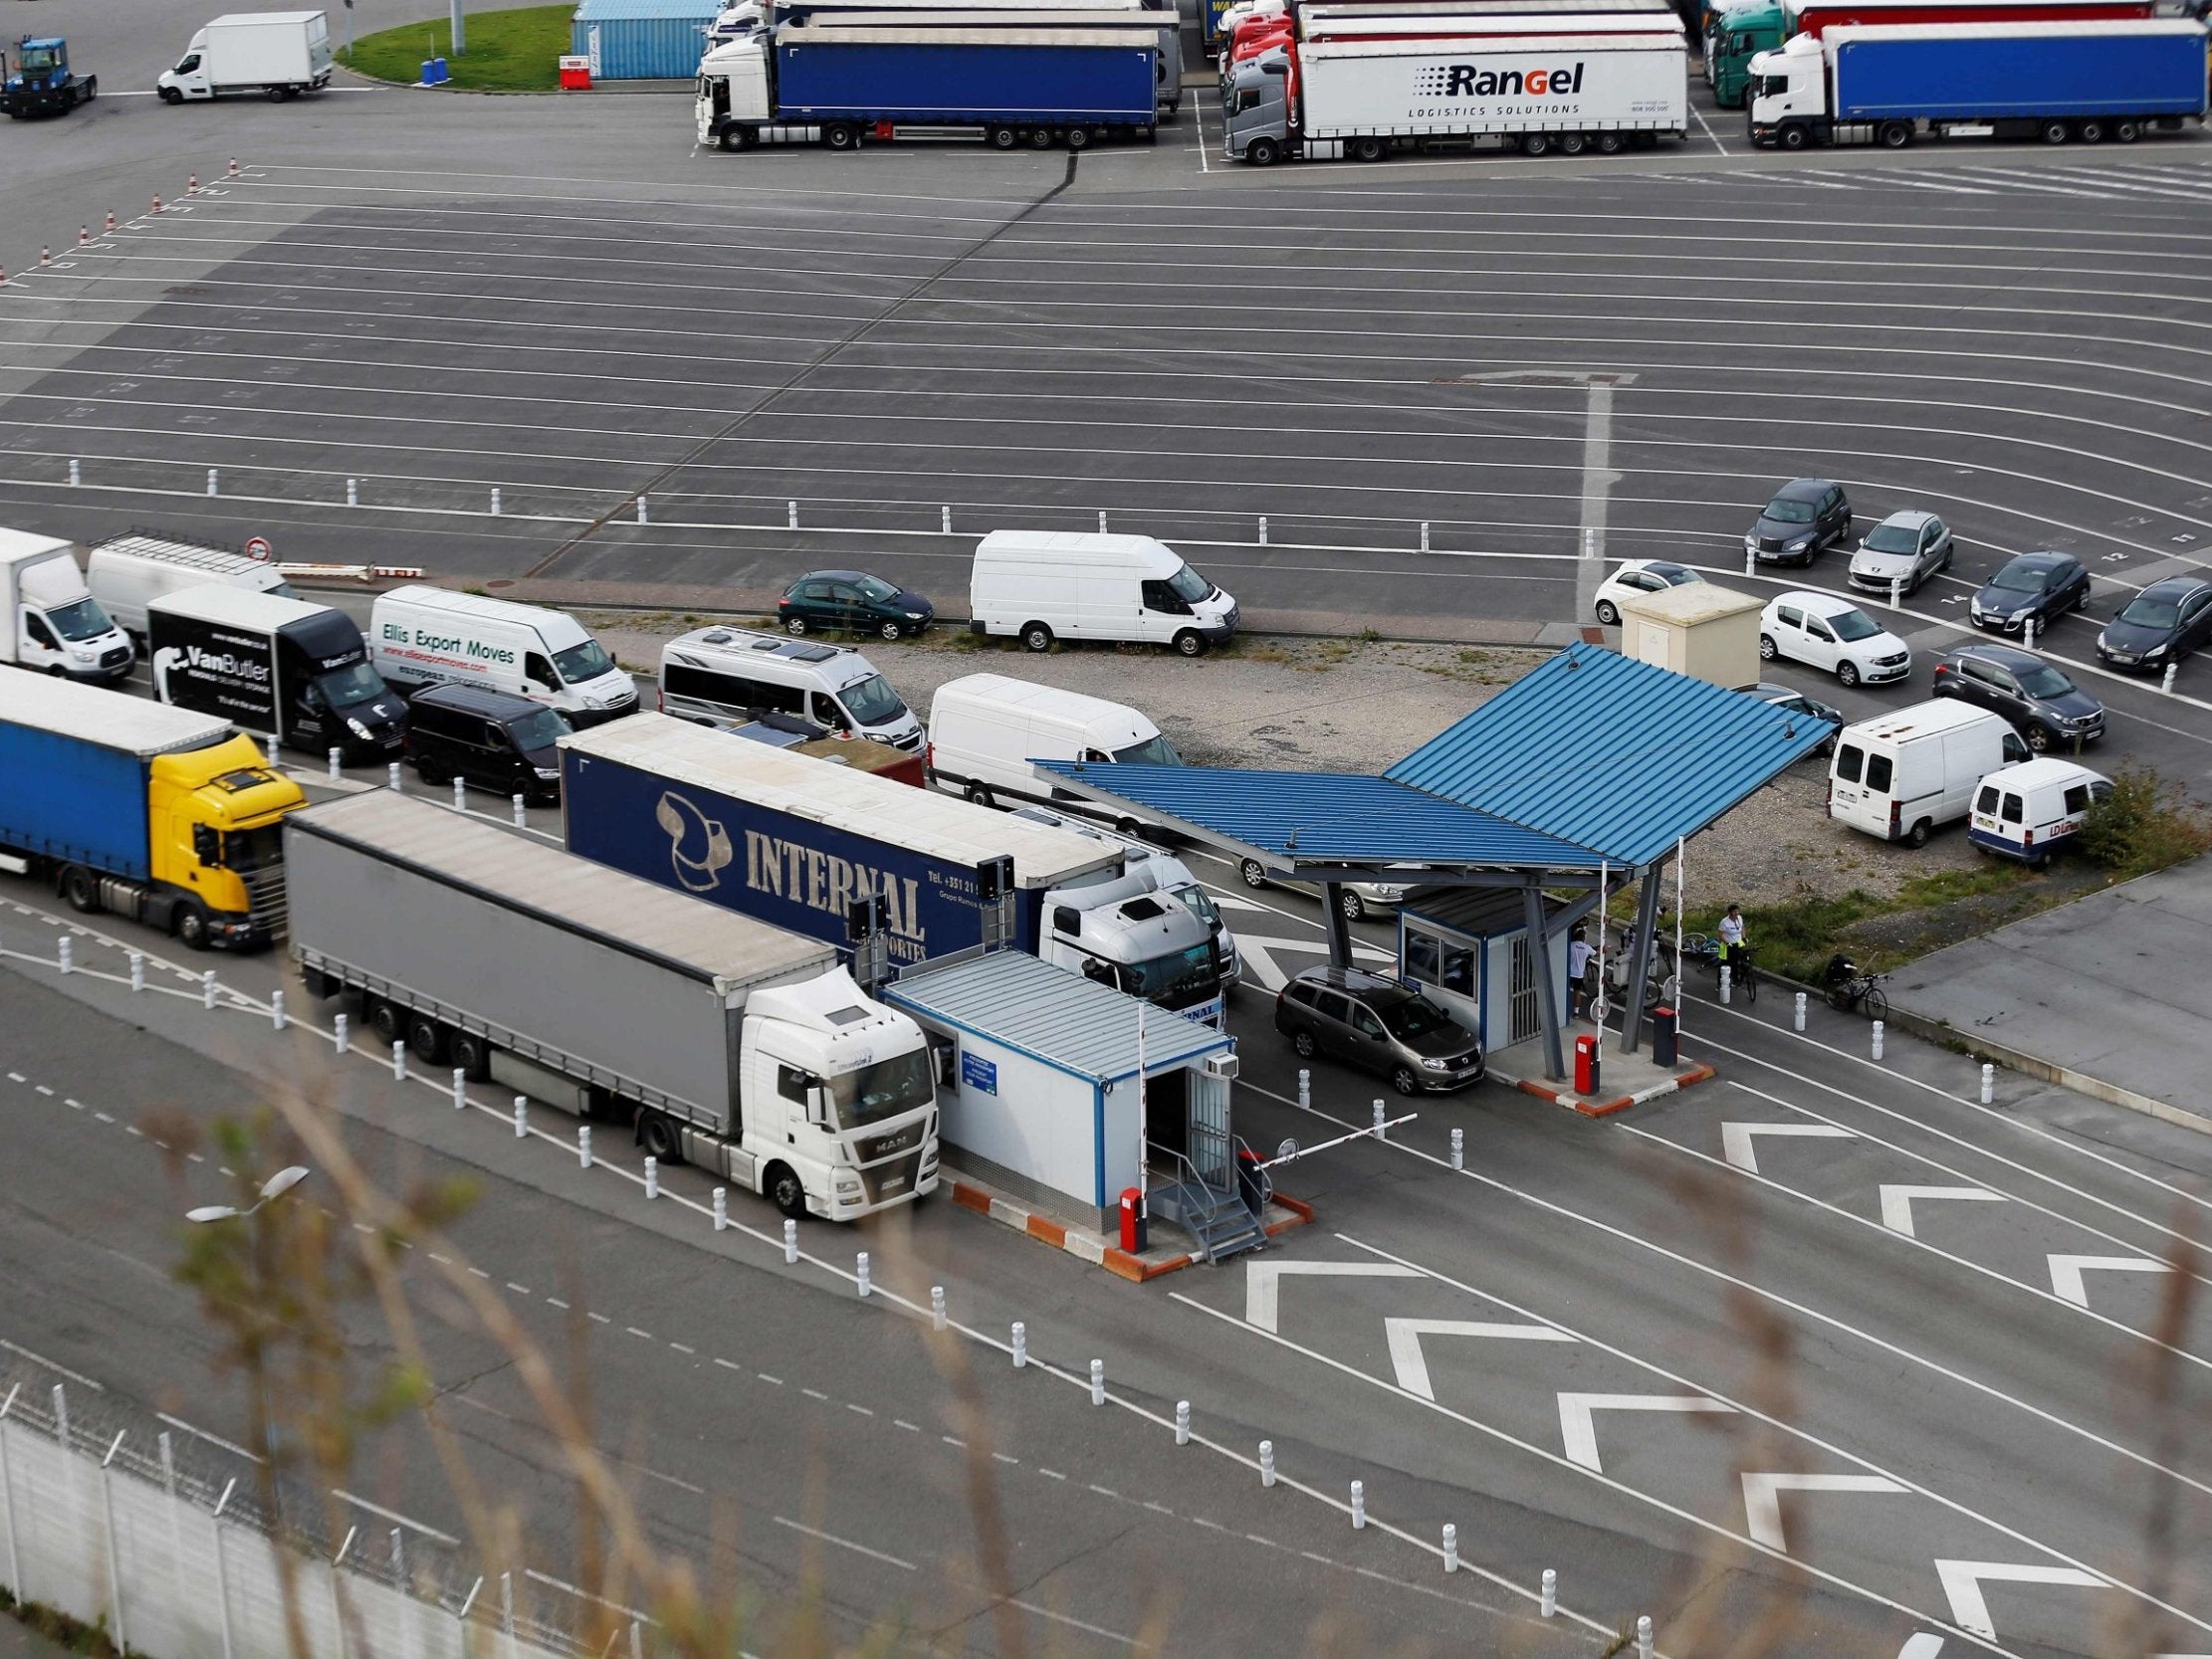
{"x": 2142, "y": 825}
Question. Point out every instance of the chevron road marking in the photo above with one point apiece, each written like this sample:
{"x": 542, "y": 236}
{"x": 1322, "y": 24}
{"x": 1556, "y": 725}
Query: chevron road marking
{"x": 1735, "y": 1139}
{"x": 1762, "y": 1499}
{"x": 1578, "y": 1433}
{"x": 2066, "y": 1271}
{"x": 1897, "y": 1202}
{"x": 1262, "y": 1282}
{"x": 1963, "y": 1580}
{"x": 1413, "y": 1367}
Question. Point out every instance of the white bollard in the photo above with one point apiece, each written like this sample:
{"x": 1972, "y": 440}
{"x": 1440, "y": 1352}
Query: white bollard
{"x": 790, "y": 1244}
{"x": 641, "y": 515}
{"x": 583, "y": 1146}
{"x": 1266, "y": 1463}
{"x": 1424, "y": 536}
{"x": 2028, "y": 633}
{"x": 722, "y": 1209}
{"x": 1021, "y": 1345}
{"x": 1458, "y": 1148}
{"x": 520, "y": 807}
{"x": 66, "y": 955}
{"x": 1798, "y": 1017}
{"x": 1101, "y": 521}
{"x": 460, "y": 795}
{"x": 1182, "y": 1422}
{"x": 944, "y": 518}
{"x": 652, "y": 1176}
{"x": 1451, "y": 1547}
{"x": 338, "y": 761}
{"x": 1750, "y": 561}
{"x": 207, "y": 989}
{"x": 340, "y": 1037}
{"x": 937, "y": 1307}
{"x": 1359, "y": 1505}
{"x": 392, "y": 778}
{"x": 276, "y": 1010}
{"x": 521, "y": 1116}
{"x": 1896, "y": 592}
{"x": 1989, "y": 1083}
{"x": 1263, "y": 529}
{"x": 400, "y": 1061}
{"x": 790, "y": 515}
{"x": 1878, "y": 1039}
{"x": 2165, "y": 680}
{"x": 1098, "y": 1382}
{"x": 1726, "y": 977}
{"x": 139, "y": 971}
{"x": 1644, "y": 1636}
{"x": 1381, "y": 1133}
{"x": 460, "y": 1090}
{"x": 1306, "y": 1090}
{"x": 276, "y": 749}
{"x": 211, "y": 476}
{"x": 75, "y": 478}
{"x": 860, "y": 1275}
{"x": 353, "y": 491}
{"x": 495, "y": 500}
{"x": 1549, "y": 1606}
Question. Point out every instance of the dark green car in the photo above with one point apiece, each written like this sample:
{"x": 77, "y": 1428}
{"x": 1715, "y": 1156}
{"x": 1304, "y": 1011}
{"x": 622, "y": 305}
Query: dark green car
{"x": 851, "y": 601}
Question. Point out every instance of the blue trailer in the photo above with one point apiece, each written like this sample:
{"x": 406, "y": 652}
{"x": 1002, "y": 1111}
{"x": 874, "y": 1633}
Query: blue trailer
{"x": 1892, "y": 84}
{"x": 1013, "y": 86}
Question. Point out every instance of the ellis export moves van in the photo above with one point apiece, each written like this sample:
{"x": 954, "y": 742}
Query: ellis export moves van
{"x": 1039, "y": 586}
{"x": 986, "y": 728}
{"x": 431, "y": 636}
{"x": 1904, "y": 774}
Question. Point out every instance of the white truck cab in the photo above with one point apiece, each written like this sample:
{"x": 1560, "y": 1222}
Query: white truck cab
{"x": 50, "y": 622}
{"x": 1789, "y": 89}
{"x": 1127, "y": 934}
{"x": 1164, "y": 872}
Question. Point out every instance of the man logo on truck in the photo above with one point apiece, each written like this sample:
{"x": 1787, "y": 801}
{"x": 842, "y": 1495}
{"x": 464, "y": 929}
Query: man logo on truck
{"x": 697, "y": 846}
{"x": 1471, "y": 81}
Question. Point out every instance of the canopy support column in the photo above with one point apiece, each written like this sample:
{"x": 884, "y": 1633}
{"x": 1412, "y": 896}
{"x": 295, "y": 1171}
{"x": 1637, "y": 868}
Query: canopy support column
{"x": 1640, "y": 955}
{"x": 1340, "y": 927}
{"x": 1547, "y": 1001}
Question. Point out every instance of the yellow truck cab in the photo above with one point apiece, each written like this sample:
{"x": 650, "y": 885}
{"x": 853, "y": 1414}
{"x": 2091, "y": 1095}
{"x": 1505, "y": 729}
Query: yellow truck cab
{"x": 152, "y": 812}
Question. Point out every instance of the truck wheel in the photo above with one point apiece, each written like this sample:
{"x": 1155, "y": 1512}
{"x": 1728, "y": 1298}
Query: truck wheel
{"x": 1609, "y": 143}
{"x": 1078, "y": 137}
{"x": 1535, "y": 143}
{"x": 1191, "y": 643}
{"x": 1894, "y": 134}
{"x": 81, "y": 889}
{"x": 425, "y": 1039}
{"x": 731, "y": 138}
{"x": 384, "y": 1018}
{"x": 275, "y": 94}
{"x": 169, "y": 94}
{"x": 91, "y": 88}
{"x": 1036, "y": 636}
{"x": 1369, "y": 149}
{"x": 473, "y": 1055}
{"x": 191, "y": 925}
{"x": 2053, "y": 133}
{"x": 841, "y": 135}
{"x": 656, "y": 1133}
{"x": 1264, "y": 152}
{"x": 2090, "y": 133}
{"x": 1040, "y": 137}
{"x": 1791, "y": 138}
{"x": 1570, "y": 144}
{"x": 2125, "y": 133}
{"x": 979, "y": 794}
{"x": 785, "y": 1192}
{"x": 1004, "y": 138}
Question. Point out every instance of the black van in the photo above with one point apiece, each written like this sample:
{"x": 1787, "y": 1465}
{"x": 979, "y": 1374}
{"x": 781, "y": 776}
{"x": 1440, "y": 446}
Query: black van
{"x": 492, "y": 740}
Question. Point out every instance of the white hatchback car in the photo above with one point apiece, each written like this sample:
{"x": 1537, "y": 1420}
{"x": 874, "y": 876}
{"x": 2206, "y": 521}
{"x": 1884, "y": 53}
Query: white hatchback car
{"x": 1639, "y": 575}
{"x": 1831, "y": 634}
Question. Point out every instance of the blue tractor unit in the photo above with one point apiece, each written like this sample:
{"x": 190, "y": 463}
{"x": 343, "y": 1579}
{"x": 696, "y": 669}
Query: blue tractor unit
{"x": 40, "y": 81}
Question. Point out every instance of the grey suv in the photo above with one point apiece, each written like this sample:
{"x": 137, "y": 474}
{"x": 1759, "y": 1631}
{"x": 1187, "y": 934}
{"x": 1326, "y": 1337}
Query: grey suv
{"x": 2043, "y": 706}
{"x": 1380, "y": 1026}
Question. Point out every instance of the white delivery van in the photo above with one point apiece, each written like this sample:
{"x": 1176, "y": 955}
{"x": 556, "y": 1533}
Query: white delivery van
{"x": 50, "y": 622}
{"x": 1043, "y": 585}
{"x": 273, "y": 55}
{"x": 986, "y": 728}
{"x": 2028, "y": 812}
{"x": 125, "y": 571}
{"x": 1902, "y": 776}
{"x": 432, "y": 636}
{"x": 729, "y": 677}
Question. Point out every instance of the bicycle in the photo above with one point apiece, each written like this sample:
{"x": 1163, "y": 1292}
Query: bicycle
{"x": 1848, "y": 989}
{"x": 1743, "y": 974}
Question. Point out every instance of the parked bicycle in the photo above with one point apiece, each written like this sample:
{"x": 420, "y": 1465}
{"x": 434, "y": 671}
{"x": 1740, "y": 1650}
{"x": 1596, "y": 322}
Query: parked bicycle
{"x": 1848, "y": 989}
{"x": 1743, "y": 974}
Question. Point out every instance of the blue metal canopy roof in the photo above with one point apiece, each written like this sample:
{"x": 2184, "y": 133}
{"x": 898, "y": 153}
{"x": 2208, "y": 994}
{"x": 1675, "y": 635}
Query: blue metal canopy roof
{"x": 1613, "y": 755}
{"x": 1594, "y": 757}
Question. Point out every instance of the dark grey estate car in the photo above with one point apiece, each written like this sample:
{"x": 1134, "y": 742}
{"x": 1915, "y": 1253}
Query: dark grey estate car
{"x": 1806, "y": 514}
{"x": 1380, "y": 1026}
{"x": 2043, "y": 706}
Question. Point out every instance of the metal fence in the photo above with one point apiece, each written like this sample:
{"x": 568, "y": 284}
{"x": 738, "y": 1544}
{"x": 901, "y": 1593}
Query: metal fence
{"x": 154, "y": 1535}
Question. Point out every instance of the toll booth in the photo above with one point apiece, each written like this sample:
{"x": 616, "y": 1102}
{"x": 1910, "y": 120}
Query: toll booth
{"x": 1467, "y": 948}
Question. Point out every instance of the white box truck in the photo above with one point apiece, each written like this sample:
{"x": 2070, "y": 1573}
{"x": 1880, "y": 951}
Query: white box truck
{"x": 278, "y": 55}
{"x": 1043, "y": 585}
{"x": 126, "y": 572}
{"x": 433, "y": 636}
{"x": 727, "y": 1043}
{"x": 1364, "y": 98}
{"x": 50, "y": 622}
{"x": 1904, "y": 774}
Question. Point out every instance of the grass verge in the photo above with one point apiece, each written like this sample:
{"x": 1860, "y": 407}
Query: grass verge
{"x": 508, "y": 51}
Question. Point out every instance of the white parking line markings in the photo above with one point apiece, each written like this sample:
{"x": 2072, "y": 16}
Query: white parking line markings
{"x": 1897, "y": 1201}
{"x": 1735, "y": 1139}
{"x": 1578, "y": 1429}
{"x": 2066, "y": 1271}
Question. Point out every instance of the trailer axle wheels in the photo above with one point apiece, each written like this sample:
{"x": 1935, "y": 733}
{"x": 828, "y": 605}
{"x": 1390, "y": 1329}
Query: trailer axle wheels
{"x": 1004, "y": 138}
{"x": 1609, "y": 143}
{"x": 1894, "y": 134}
{"x": 2053, "y": 133}
{"x": 473, "y": 1055}
{"x": 2125, "y": 133}
{"x": 657, "y": 1135}
{"x": 1370, "y": 148}
{"x": 784, "y": 1190}
{"x": 1078, "y": 137}
{"x": 1570, "y": 144}
{"x": 841, "y": 135}
{"x": 426, "y": 1039}
{"x": 1535, "y": 143}
{"x": 381, "y": 1017}
{"x": 1040, "y": 137}
{"x": 2090, "y": 133}
{"x": 80, "y": 888}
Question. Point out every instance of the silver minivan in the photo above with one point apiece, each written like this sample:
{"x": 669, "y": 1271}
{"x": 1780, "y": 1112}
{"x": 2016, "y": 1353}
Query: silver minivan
{"x": 730, "y": 677}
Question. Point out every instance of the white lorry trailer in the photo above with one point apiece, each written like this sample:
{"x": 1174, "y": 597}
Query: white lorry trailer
{"x": 275, "y": 55}
{"x": 1365, "y": 99}
{"x": 728, "y": 1043}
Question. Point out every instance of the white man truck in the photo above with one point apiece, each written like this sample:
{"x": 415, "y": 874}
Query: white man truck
{"x": 727, "y": 1043}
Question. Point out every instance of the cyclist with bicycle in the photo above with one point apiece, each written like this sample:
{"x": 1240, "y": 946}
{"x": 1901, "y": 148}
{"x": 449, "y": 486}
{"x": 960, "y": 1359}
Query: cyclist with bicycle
{"x": 1731, "y": 937}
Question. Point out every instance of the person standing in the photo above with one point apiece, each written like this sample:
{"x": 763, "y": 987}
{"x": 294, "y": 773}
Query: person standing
{"x": 1731, "y": 934}
{"x": 1578, "y": 971}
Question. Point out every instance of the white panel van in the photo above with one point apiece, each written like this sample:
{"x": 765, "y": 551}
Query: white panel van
{"x": 730, "y": 677}
{"x": 1043, "y": 585}
{"x": 1902, "y": 775}
{"x": 433, "y": 636}
{"x": 986, "y": 728}
{"x": 2028, "y": 812}
{"x": 125, "y": 571}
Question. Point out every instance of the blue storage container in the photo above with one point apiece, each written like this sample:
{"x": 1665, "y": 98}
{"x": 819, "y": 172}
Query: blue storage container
{"x": 2016, "y": 71}
{"x": 643, "y": 39}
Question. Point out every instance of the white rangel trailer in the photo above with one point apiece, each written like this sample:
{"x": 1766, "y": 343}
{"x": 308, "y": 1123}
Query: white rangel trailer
{"x": 1363, "y": 99}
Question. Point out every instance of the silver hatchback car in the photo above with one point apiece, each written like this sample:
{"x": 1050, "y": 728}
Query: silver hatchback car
{"x": 1905, "y": 549}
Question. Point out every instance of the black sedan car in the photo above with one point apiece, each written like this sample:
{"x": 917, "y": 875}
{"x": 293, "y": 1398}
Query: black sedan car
{"x": 1806, "y": 514}
{"x": 1797, "y": 703}
{"x": 2160, "y": 626}
{"x": 2043, "y": 706}
{"x": 854, "y": 602}
{"x": 2041, "y": 585}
